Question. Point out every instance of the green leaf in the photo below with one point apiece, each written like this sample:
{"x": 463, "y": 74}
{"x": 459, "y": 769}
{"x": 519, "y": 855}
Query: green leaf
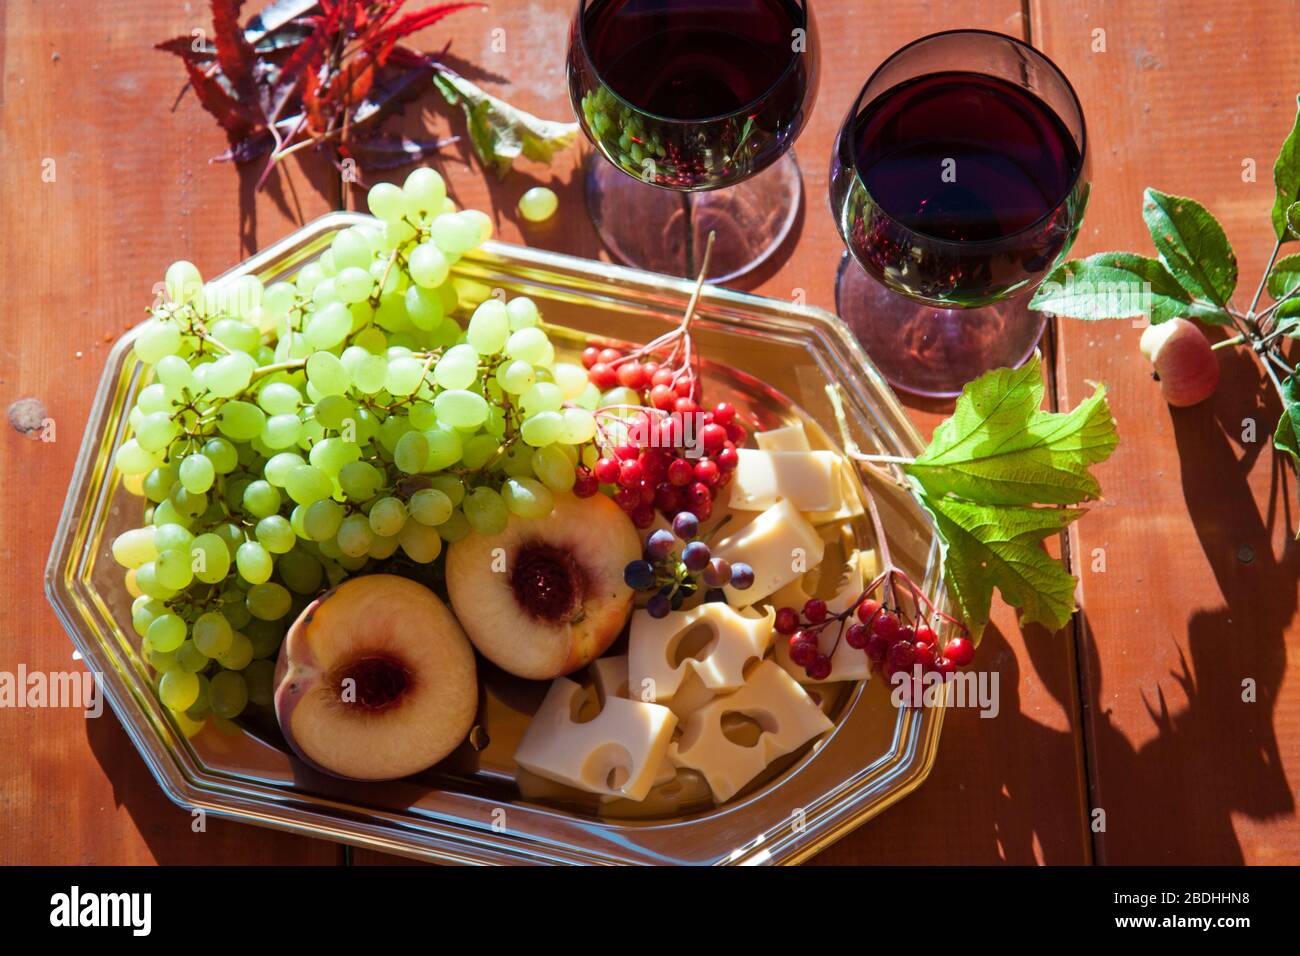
{"x": 1286, "y": 436}
{"x": 1192, "y": 245}
{"x": 1285, "y": 276}
{"x": 1117, "y": 285}
{"x": 987, "y": 547}
{"x": 1293, "y": 219}
{"x": 1000, "y": 448}
{"x": 1286, "y": 178}
{"x": 501, "y": 132}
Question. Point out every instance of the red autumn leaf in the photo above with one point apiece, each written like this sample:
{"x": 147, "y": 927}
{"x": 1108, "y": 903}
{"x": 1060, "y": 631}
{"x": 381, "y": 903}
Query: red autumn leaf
{"x": 307, "y": 57}
{"x": 235, "y": 54}
{"x": 183, "y": 47}
{"x": 232, "y": 115}
{"x": 411, "y": 22}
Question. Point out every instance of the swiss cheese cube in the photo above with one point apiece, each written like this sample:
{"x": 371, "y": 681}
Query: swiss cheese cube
{"x": 780, "y": 545}
{"x": 720, "y": 664}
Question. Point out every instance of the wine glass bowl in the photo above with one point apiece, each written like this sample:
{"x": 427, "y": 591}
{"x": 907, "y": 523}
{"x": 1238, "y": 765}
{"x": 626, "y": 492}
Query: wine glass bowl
{"x": 692, "y": 97}
{"x": 959, "y": 181}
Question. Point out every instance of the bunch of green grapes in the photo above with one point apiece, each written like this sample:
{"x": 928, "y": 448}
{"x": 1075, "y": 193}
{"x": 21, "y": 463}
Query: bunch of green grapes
{"x": 628, "y": 138}
{"x": 297, "y": 432}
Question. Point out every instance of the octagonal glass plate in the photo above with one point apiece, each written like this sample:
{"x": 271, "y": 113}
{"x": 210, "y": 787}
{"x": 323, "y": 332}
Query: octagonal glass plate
{"x": 474, "y": 807}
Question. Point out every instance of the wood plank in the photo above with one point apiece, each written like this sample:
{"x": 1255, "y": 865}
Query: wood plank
{"x": 81, "y": 86}
{"x": 1005, "y": 789}
{"x": 1199, "y": 587}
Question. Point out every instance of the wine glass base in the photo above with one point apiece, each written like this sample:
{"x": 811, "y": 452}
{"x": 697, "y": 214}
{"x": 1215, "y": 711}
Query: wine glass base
{"x": 931, "y": 351}
{"x": 661, "y": 230}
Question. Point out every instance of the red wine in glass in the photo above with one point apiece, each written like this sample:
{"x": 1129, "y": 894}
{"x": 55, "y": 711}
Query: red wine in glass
{"x": 692, "y": 96}
{"x": 957, "y": 191}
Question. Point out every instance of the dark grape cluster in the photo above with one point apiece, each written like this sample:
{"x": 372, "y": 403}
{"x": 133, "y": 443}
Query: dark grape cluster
{"x": 676, "y": 572}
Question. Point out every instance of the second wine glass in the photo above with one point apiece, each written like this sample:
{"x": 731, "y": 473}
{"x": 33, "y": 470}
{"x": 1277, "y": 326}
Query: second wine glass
{"x": 692, "y": 107}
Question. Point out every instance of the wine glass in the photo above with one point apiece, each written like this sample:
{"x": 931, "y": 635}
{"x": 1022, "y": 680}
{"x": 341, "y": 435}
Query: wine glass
{"x": 693, "y": 106}
{"x": 958, "y": 182}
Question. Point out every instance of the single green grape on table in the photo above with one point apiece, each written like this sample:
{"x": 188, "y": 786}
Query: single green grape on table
{"x": 296, "y": 433}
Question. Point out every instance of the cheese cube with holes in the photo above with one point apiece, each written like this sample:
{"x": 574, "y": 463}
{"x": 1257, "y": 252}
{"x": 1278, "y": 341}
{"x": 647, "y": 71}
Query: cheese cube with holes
{"x": 610, "y": 676}
{"x": 734, "y": 737}
{"x": 711, "y": 639}
{"x": 617, "y": 753}
{"x": 810, "y": 480}
{"x": 780, "y": 545}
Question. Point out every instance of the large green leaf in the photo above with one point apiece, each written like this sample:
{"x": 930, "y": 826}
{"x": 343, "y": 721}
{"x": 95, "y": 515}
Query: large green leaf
{"x": 988, "y": 547}
{"x": 999, "y": 447}
{"x": 1285, "y": 276}
{"x": 1119, "y": 285}
{"x": 1287, "y": 434}
{"x": 501, "y": 132}
{"x": 1286, "y": 178}
{"x": 1192, "y": 245}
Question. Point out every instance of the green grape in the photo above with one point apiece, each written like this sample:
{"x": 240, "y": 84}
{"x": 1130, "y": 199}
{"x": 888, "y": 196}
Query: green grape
{"x": 331, "y": 454}
{"x": 131, "y": 459}
{"x": 529, "y": 344}
{"x": 276, "y": 534}
{"x": 527, "y": 497}
{"x": 360, "y": 480}
{"x": 412, "y": 453}
{"x": 153, "y": 398}
{"x": 392, "y": 314}
{"x": 327, "y": 374}
{"x": 449, "y": 485}
{"x": 197, "y": 474}
{"x": 454, "y": 234}
{"x": 175, "y": 374}
{"x": 333, "y": 410}
{"x": 155, "y": 431}
{"x": 404, "y": 376}
{"x": 538, "y": 204}
{"x": 396, "y": 234}
{"x": 167, "y": 513}
{"x": 279, "y": 466}
{"x": 454, "y": 528}
{"x": 167, "y": 632}
{"x": 483, "y": 220}
{"x": 157, "y": 338}
{"x": 429, "y": 506}
{"x": 143, "y": 611}
{"x": 485, "y": 511}
{"x": 428, "y": 265}
{"x": 259, "y": 676}
{"x": 173, "y": 569}
{"x": 542, "y": 397}
{"x": 183, "y": 281}
{"x": 424, "y": 191}
{"x": 146, "y": 579}
{"x": 387, "y": 516}
{"x": 238, "y": 336}
{"x": 254, "y": 562}
{"x": 240, "y": 652}
{"x": 229, "y": 375}
{"x": 553, "y": 468}
{"x": 446, "y": 334}
{"x": 300, "y": 571}
{"x": 281, "y": 431}
{"x": 212, "y": 633}
{"x": 382, "y": 547}
{"x": 309, "y": 276}
{"x": 523, "y": 313}
{"x": 222, "y": 454}
{"x": 350, "y": 248}
{"x": 354, "y": 284}
{"x": 322, "y": 518}
{"x": 228, "y": 694}
{"x": 278, "y": 299}
{"x": 209, "y": 558}
{"x": 445, "y": 448}
{"x": 479, "y": 450}
{"x": 579, "y": 426}
{"x": 307, "y": 484}
{"x": 269, "y": 602}
{"x": 159, "y": 481}
{"x": 518, "y": 462}
{"x": 387, "y": 202}
{"x": 460, "y": 408}
{"x": 420, "y": 542}
{"x": 279, "y": 398}
{"x": 391, "y": 429}
{"x": 353, "y": 563}
{"x": 265, "y": 637}
{"x": 457, "y": 368}
{"x": 542, "y": 428}
{"x": 241, "y": 421}
{"x": 186, "y": 504}
{"x": 422, "y": 416}
{"x": 354, "y": 535}
{"x": 178, "y": 689}
{"x": 516, "y": 376}
{"x": 424, "y": 307}
{"x": 231, "y": 535}
{"x": 571, "y": 379}
{"x": 260, "y": 499}
{"x": 489, "y": 327}
{"x": 133, "y": 548}
{"x": 190, "y": 659}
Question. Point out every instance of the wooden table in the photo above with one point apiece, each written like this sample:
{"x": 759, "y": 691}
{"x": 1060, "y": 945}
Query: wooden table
{"x": 1188, "y": 569}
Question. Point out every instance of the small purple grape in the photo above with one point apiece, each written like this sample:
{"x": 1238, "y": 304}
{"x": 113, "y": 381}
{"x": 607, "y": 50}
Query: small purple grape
{"x": 686, "y": 526}
{"x": 639, "y": 575}
{"x": 695, "y": 556}
{"x": 660, "y": 544}
{"x": 742, "y": 576}
{"x": 717, "y": 573}
{"x": 658, "y": 606}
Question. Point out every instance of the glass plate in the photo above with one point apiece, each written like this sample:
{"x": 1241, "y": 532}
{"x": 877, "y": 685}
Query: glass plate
{"x": 470, "y": 808}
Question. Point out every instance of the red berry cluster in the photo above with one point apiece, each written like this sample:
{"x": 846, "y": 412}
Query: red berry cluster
{"x": 683, "y": 456}
{"x": 890, "y": 641}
